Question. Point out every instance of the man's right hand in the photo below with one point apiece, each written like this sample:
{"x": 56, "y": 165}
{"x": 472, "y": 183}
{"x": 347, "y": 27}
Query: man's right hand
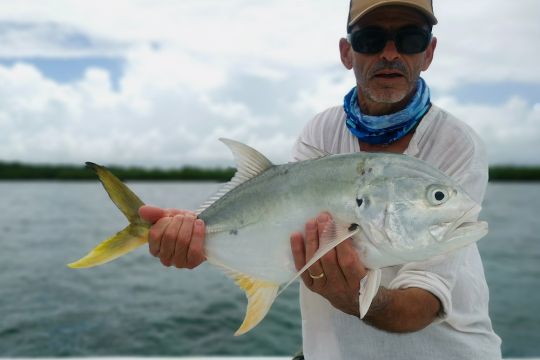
{"x": 176, "y": 236}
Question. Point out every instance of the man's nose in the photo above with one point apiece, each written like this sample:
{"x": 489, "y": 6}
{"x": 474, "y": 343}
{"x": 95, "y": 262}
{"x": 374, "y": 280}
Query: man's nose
{"x": 390, "y": 52}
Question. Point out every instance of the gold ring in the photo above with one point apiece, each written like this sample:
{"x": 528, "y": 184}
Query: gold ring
{"x": 320, "y": 276}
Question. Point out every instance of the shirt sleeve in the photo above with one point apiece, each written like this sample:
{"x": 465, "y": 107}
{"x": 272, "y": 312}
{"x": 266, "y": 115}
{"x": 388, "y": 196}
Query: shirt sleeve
{"x": 307, "y": 141}
{"x": 437, "y": 275}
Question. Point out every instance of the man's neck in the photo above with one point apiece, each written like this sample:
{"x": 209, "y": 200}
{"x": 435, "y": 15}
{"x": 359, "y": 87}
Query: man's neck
{"x": 397, "y": 147}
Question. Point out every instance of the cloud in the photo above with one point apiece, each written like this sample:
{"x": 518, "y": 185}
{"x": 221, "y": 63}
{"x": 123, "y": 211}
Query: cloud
{"x": 254, "y": 71}
{"x": 48, "y": 39}
{"x": 164, "y": 113}
{"x": 511, "y": 129}
{"x": 485, "y": 41}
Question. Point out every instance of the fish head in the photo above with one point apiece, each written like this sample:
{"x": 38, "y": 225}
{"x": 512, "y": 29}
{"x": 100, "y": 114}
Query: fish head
{"x": 415, "y": 215}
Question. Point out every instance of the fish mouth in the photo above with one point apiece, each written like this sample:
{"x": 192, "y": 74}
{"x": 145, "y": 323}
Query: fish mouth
{"x": 467, "y": 229}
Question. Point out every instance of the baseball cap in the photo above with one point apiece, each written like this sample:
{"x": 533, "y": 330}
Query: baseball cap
{"x": 359, "y": 8}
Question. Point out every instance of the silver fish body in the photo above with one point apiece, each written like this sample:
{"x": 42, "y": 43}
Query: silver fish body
{"x": 396, "y": 208}
{"x": 390, "y": 197}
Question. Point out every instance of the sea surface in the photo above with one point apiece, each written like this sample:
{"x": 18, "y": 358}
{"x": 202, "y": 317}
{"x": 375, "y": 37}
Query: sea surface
{"x": 135, "y": 306}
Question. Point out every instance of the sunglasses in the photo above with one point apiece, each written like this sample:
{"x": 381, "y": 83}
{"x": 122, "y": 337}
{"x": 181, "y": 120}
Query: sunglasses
{"x": 373, "y": 39}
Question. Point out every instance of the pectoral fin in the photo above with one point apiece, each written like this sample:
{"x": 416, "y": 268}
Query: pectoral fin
{"x": 333, "y": 235}
{"x": 369, "y": 286}
{"x": 261, "y": 295}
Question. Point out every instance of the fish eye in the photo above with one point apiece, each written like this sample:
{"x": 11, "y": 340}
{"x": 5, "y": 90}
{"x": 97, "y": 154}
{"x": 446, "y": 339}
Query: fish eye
{"x": 437, "y": 195}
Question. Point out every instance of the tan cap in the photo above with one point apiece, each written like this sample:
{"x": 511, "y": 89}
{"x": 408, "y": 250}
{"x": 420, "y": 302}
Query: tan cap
{"x": 361, "y": 7}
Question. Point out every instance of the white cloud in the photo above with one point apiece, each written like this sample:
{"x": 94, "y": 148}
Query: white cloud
{"x": 231, "y": 30}
{"x": 511, "y": 130}
{"x": 485, "y": 41}
{"x": 165, "y": 118}
{"x": 254, "y": 71}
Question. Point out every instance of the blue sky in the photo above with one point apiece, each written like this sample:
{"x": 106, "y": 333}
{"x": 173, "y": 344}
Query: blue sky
{"x": 156, "y": 83}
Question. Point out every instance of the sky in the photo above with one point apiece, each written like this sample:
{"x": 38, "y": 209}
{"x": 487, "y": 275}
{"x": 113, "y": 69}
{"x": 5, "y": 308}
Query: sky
{"x": 155, "y": 83}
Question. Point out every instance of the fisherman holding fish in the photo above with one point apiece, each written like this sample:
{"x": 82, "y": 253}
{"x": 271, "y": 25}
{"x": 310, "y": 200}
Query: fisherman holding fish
{"x": 434, "y": 309}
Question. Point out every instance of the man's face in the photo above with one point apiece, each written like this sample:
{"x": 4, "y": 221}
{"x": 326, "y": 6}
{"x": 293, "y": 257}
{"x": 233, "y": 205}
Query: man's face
{"x": 388, "y": 77}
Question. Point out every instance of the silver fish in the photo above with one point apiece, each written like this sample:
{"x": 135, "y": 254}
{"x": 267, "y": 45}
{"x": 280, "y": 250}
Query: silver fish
{"x": 397, "y": 209}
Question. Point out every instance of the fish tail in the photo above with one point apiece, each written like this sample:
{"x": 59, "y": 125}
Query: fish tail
{"x": 131, "y": 237}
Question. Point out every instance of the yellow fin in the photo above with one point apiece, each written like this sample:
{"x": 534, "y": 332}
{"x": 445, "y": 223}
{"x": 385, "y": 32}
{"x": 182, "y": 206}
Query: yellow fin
{"x": 119, "y": 193}
{"x": 123, "y": 242}
{"x": 260, "y": 294}
{"x": 133, "y": 236}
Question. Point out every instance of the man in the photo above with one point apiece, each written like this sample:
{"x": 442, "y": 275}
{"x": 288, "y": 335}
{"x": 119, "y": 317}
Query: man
{"x": 437, "y": 309}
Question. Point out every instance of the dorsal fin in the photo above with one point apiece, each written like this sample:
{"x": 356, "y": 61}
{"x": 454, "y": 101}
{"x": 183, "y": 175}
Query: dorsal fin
{"x": 311, "y": 152}
{"x": 249, "y": 163}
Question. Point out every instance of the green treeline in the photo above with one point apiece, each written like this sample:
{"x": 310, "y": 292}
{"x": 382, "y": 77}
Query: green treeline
{"x": 18, "y": 171}
{"x": 514, "y": 173}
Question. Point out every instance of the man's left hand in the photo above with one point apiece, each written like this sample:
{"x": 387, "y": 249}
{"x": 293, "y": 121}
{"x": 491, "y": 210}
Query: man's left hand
{"x": 336, "y": 276}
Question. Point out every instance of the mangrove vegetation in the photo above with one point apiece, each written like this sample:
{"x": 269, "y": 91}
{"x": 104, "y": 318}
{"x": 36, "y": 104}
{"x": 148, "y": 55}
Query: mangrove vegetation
{"x": 20, "y": 171}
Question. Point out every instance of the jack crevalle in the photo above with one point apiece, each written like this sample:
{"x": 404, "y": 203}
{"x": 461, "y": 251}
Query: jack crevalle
{"x": 397, "y": 209}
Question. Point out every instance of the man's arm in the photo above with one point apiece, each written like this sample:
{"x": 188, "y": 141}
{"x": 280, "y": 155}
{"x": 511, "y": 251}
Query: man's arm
{"x": 399, "y": 310}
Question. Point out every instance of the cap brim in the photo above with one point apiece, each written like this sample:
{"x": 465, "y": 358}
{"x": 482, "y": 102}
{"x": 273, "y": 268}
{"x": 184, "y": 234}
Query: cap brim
{"x": 430, "y": 17}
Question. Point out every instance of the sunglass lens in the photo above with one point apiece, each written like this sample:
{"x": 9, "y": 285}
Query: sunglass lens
{"x": 368, "y": 40}
{"x": 412, "y": 41}
{"x": 372, "y": 40}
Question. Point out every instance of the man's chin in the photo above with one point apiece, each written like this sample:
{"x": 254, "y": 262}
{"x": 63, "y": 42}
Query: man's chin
{"x": 387, "y": 96}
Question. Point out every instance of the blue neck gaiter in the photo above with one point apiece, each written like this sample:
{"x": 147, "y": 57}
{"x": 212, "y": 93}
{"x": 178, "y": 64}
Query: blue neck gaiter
{"x": 383, "y": 130}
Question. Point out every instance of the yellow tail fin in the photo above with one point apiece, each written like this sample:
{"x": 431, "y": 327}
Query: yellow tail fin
{"x": 133, "y": 236}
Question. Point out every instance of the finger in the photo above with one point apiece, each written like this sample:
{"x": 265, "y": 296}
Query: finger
{"x": 174, "y": 212}
{"x": 299, "y": 255}
{"x": 323, "y": 221}
{"x": 298, "y": 250}
{"x": 349, "y": 262}
{"x": 151, "y": 213}
{"x": 168, "y": 241}
{"x": 196, "y": 254}
{"x": 183, "y": 240}
{"x": 155, "y": 235}
{"x": 312, "y": 245}
{"x": 329, "y": 260}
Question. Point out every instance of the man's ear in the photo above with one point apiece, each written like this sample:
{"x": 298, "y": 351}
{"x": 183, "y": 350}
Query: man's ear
{"x": 430, "y": 51}
{"x": 345, "y": 51}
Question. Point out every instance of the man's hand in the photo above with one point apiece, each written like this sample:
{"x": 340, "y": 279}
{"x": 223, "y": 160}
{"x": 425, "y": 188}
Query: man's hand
{"x": 336, "y": 276}
{"x": 176, "y": 236}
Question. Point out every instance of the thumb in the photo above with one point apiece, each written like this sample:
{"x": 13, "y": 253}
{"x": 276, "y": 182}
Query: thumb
{"x": 151, "y": 213}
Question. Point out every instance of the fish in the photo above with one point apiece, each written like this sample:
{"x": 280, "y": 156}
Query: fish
{"x": 396, "y": 209}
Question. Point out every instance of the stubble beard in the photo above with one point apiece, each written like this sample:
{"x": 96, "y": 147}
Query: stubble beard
{"x": 381, "y": 94}
{"x": 385, "y": 95}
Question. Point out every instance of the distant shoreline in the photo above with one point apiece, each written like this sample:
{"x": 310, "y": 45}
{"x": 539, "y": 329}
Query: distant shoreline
{"x": 21, "y": 171}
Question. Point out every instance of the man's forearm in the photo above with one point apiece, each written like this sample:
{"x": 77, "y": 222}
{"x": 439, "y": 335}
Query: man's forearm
{"x": 402, "y": 310}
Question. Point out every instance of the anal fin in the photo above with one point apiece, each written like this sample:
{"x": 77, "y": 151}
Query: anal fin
{"x": 260, "y": 294}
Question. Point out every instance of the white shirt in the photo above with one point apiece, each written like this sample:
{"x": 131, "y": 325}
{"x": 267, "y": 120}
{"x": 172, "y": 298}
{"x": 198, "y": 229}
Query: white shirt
{"x": 464, "y": 329}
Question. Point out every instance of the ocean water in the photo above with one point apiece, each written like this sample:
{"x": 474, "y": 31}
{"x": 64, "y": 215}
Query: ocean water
{"x": 135, "y": 306}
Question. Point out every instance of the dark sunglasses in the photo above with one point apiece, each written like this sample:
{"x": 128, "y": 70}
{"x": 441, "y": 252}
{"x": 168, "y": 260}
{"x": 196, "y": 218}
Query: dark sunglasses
{"x": 373, "y": 39}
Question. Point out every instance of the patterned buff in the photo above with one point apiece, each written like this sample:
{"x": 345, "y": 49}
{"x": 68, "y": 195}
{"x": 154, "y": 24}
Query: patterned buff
{"x": 383, "y": 130}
